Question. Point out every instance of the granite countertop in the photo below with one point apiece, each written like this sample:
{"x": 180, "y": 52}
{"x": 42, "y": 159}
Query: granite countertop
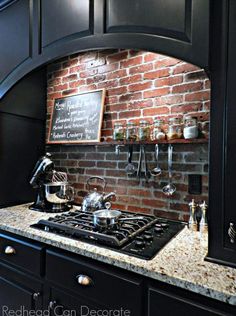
{"x": 180, "y": 262}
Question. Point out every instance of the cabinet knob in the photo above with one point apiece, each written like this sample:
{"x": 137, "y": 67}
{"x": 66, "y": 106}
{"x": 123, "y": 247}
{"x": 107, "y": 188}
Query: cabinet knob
{"x": 36, "y": 296}
{"x": 9, "y": 250}
{"x": 84, "y": 280}
{"x": 232, "y": 233}
{"x": 52, "y": 305}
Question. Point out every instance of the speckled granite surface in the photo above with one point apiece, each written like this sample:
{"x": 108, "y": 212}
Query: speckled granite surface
{"x": 180, "y": 263}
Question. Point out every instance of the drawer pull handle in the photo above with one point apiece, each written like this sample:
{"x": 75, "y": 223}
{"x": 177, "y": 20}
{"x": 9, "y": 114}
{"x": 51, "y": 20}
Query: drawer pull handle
{"x": 9, "y": 250}
{"x": 84, "y": 280}
{"x": 232, "y": 233}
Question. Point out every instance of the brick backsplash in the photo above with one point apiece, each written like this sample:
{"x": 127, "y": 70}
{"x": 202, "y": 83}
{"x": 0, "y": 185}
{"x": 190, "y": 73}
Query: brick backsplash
{"x": 138, "y": 85}
{"x": 81, "y": 162}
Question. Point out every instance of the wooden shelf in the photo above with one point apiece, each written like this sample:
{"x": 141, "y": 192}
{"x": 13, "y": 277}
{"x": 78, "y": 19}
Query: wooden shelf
{"x": 175, "y": 141}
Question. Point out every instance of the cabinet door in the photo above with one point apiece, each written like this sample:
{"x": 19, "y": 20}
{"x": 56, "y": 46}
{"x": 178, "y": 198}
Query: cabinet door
{"x": 230, "y": 139}
{"x": 222, "y": 247}
{"x": 14, "y": 35}
{"x": 13, "y": 296}
{"x": 62, "y": 303}
{"x": 179, "y": 27}
{"x": 107, "y": 286}
{"x": 62, "y": 20}
{"x": 166, "y": 304}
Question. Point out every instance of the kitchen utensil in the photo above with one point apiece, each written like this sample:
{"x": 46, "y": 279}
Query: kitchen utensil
{"x": 94, "y": 200}
{"x": 170, "y": 188}
{"x": 59, "y": 193}
{"x": 109, "y": 218}
{"x": 58, "y": 176}
{"x": 157, "y": 170}
{"x": 146, "y": 171}
{"x": 140, "y": 162}
{"x": 130, "y": 168}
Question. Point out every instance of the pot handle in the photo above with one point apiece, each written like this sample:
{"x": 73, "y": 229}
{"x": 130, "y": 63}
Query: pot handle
{"x": 99, "y": 178}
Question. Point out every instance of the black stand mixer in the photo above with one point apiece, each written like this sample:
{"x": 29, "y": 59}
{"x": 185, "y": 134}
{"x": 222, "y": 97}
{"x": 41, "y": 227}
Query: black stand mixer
{"x": 54, "y": 193}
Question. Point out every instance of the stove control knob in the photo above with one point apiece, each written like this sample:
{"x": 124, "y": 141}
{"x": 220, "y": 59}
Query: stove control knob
{"x": 148, "y": 237}
{"x": 139, "y": 244}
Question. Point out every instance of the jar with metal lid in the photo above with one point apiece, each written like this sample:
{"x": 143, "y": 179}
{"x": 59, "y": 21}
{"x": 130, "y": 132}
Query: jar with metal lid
{"x": 118, "y": 132}
{"x": 190, "y": 127}
{"x": 144, "y": 131}
{"x": 174, "y": 129}
{"x": 206, "y": 129}
{"x": 131, "y": 131}
{"x": 158, "y": 131}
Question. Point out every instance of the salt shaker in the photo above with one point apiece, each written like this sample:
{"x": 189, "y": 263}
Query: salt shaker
{"x": 192, "y": 223}
{"x": 203, "y": 226}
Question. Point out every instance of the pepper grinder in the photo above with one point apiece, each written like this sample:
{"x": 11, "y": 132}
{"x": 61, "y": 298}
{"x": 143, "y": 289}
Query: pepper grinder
{"x": 192, "y": 223}
{"x": 203, "y": 226}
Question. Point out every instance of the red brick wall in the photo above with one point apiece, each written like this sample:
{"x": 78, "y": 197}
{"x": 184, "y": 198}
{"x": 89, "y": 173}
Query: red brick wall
{"x": 138, "y": 84}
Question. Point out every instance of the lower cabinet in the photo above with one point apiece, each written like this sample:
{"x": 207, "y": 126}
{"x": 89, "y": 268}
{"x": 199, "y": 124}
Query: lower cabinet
{"x": 168, "y": 300}
{"x": 19, "y": 294}
{"x": 61, "y": 303}
{"x": 15, "y": 296}
{"x": 96, "y": 286}
{"x": 59, "y": 283}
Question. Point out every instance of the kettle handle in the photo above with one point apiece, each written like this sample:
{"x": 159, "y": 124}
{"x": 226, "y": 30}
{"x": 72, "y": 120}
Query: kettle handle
{"x": 99, "y": 178}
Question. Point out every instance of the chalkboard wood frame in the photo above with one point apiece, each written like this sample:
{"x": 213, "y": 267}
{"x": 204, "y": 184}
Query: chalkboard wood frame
{"x": 65, "y": 100}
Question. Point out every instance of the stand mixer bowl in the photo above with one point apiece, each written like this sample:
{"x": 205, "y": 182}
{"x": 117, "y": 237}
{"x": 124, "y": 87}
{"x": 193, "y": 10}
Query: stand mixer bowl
{"x": 59, "y": 192}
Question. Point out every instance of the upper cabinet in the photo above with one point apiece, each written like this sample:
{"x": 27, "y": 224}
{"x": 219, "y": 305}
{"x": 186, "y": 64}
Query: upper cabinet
{"x": 178, "y": 27}
{"x": 62, "y": 20}
{"x": 15, "y": 47}
{"x": 36, "y": 32}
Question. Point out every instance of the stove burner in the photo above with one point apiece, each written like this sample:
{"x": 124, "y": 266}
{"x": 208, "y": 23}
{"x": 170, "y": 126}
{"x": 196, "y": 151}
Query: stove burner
{"x": 140, "y": 238}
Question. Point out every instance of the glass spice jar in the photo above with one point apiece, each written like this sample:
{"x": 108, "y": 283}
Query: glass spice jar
{"x": 190, "y": 127}
{"x": 174, "y": 129}
{"x": 144, "y": 131}
{"x": 131, "y": 131}
{"x": 158, "y": 133}
{"x": 118, "y": 132}
{"x": 206, "y": 129}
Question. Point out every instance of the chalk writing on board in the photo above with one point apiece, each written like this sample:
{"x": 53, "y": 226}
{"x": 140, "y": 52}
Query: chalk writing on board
{"x": 77, "y": 118}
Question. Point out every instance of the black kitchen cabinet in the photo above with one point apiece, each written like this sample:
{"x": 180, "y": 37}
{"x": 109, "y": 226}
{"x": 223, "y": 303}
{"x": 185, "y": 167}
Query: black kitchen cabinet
{"x": 98, "y": 286}
{"x": 59, "y": 290}
{"x": 14, "y": 36}
{"x": 222, "y": 248}
{"x": 178, "y": 28}
{"x": 22, "y": 137}
{"x": 62, "y": 20}
{"x": 14, "y": 296}
{"x": 61, "y": 302}
{"x": 18, "y": 289}
{"x": 34, "y": 33}
{"x": 165, "y": 300}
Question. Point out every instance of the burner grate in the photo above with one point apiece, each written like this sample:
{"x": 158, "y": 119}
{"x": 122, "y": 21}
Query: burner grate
{"x": 80, "y": 224}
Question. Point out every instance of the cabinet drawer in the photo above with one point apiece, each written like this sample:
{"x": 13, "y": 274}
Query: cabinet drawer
{"x": 25, "y": 255}
{"x": 108, "y": 287}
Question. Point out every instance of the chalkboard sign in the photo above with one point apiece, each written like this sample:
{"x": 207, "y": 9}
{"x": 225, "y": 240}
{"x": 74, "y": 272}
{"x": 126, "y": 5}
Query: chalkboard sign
{"x": 77, "y": 118}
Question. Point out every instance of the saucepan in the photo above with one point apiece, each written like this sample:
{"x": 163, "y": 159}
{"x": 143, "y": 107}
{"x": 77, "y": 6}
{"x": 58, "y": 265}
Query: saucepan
{"x": 109, "y": 218}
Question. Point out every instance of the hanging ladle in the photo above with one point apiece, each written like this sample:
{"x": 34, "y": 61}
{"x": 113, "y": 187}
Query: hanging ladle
{"x": 157, "y": 170}
{"x": 130, "y": 168}
{"x": 170, "y": 188}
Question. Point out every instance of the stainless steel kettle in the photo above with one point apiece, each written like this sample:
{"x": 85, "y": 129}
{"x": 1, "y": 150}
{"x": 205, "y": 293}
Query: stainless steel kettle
{"x": 94, "y": 200}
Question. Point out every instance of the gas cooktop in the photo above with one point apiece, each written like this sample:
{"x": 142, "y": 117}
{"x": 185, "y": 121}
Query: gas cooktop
{"x": 142, "y": 238}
